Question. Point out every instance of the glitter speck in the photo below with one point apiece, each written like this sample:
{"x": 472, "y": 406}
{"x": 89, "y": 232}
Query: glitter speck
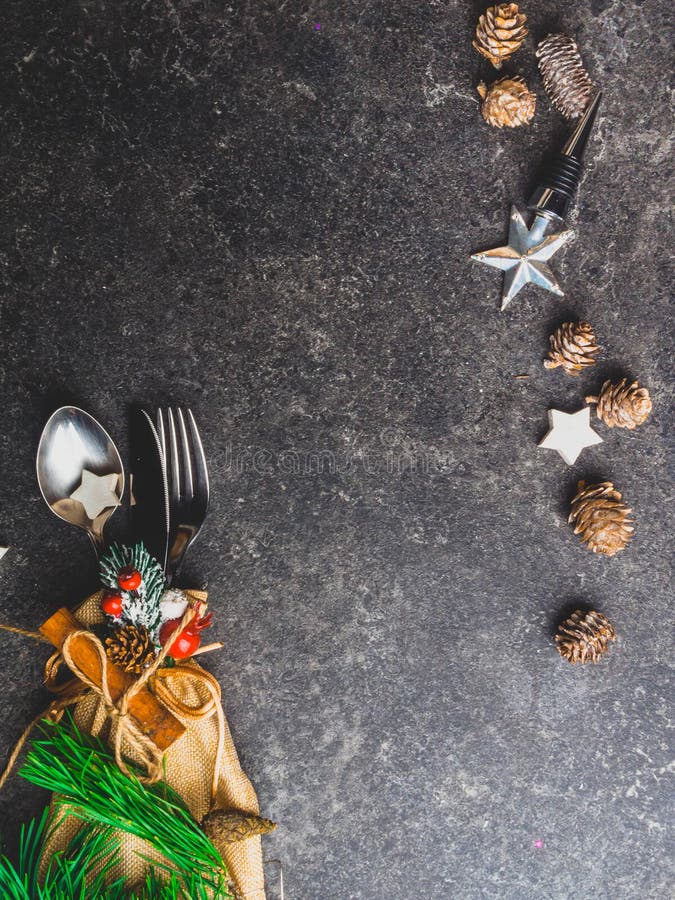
{"x": 317, "y": 27}
{"x": 539, "y": 844}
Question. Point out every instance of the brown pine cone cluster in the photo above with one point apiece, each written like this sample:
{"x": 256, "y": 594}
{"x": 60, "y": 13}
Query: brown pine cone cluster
{"x": 624, "y": 405}
{"x": 573, "y": 347}
{"x": 131, "y": 648}
{"x": 601, "y": 518}
{"x": 229, "y": 826}
{"x": 566, "y": 81}
{"x": 501, "y": 31}
{"x": 584, "y": 637}
{"x": 507, "y": 102}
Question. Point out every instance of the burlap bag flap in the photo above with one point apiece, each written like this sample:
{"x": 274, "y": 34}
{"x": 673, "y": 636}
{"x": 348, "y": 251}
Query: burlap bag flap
{"x": 189, "y": 770}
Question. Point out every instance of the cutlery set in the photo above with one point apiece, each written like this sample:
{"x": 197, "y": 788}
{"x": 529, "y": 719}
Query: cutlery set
{"x": 81, "y": 478}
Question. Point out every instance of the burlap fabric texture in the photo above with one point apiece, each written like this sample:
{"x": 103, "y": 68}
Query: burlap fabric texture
{"x": 189, "y": 765}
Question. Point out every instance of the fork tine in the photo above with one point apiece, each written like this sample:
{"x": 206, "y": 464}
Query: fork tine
{"x": 201, "y": 472}
{"x": 187, "y": 462}
{"x": 173, "y": 465}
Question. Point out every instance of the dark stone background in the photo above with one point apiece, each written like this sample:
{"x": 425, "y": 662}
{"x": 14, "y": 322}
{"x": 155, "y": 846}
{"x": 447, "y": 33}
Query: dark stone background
{"x": 226, "y": 207}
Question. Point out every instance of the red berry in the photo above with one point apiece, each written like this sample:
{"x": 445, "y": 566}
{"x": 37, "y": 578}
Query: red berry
{"x": 111, "y": 604}
{"x": 167, "y": 630}
{"x": 186, "y": 642}
{"x": 129, "y": 578}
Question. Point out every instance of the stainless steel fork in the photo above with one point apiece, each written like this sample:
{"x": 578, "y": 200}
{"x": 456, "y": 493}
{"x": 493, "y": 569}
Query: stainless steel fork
{"x": 188, "y": 482}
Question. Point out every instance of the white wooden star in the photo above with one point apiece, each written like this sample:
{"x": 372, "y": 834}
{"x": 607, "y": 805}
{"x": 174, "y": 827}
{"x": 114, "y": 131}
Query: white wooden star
{"x": 3, "y": 550}
{"x": 96, "y": 493}
{"x": 570, "y": 433}
{"x": 524, "y": 258}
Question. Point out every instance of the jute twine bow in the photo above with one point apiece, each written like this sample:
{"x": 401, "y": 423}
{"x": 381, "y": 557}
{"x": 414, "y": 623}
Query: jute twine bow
{"x": 124, "y": 728}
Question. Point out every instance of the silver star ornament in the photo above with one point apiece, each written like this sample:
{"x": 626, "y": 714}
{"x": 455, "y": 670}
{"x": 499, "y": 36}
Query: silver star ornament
{"x": 523, "y": 260}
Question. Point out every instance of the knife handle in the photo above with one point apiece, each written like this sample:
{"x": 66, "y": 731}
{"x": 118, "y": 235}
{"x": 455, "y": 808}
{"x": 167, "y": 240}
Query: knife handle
{"x": 161, "y": 726}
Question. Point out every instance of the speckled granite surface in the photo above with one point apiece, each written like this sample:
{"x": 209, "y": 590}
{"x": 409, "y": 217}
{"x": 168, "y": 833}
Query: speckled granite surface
{"x": 270, "y": 222}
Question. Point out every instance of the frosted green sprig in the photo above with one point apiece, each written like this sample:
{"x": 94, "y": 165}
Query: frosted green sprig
{"x": 141, "y": 607}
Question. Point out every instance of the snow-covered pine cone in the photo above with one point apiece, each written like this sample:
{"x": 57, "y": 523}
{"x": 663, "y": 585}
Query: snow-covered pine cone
{"x": 584, "y": 637}
{"x": 573, "y": 347}
{"x": 507, "y": 102}
{"x": 622, "y": 404}
{"x": 501, "y": 31}
{"x": 566, "y": 81}
{"x": 601, "y": 518}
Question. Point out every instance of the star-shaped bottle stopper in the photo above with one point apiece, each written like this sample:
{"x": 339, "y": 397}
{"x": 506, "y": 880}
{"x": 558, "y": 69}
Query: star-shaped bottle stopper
{"x": 524, "y": 259}
{"x": 570, "y": 433}
{"x": 96, "y": 493}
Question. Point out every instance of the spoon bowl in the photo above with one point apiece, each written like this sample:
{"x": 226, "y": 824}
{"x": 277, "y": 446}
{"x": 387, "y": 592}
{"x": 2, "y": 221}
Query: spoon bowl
{"x": 79, "y": 471}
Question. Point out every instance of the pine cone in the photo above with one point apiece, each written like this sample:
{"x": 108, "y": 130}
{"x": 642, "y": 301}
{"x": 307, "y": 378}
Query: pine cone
{"x": 601, "y": 518}
{"x": 229, "y": 826}
{"x": 584, "y": 636}
{"x": 566, "y": 82}
{"x": 573, "y": 347}
{"x": 624, "y": 405}
{"x": 131, "y": 648}
{"x": 501, "y": 31}
{"x": 507, "y": 102}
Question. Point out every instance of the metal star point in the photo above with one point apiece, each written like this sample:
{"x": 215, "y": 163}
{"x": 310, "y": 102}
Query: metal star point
{"x": 524, "y": 259}
{"x": 96, "y": 493}
{"x": 570, "y": 433}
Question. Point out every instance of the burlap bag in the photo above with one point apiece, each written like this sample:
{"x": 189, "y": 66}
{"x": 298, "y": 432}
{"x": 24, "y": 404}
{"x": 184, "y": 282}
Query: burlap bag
{"x": 190, "y": 765}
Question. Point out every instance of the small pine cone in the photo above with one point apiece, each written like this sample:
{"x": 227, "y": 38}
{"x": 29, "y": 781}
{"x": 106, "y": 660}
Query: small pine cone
{"x": 624, "y": 405}
{"x": 229, "y": 826}
{"x": 573, "y": 347}
{"x": 501, "y": 31}
{"x": 566, "y": 82}
{"x": 131, "y": 648}
{"x": 507, "y": 102}
{"x": 584, "y": 637}
{"x": 601, "y": 518}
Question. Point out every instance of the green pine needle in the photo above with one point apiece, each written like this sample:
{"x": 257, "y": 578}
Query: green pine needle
{"x": 70, "y": 873}
{"x": 82, "y": 771}
{"x": 157, "y": 887}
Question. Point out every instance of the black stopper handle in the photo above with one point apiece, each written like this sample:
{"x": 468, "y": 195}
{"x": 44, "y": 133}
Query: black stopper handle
{"x": 560, "y": 178}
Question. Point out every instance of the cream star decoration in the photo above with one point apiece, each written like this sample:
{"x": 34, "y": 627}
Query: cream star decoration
{"x": 524, "y": 258}
{"x": 570, "y": 433}
{"x": 96, "y": 493}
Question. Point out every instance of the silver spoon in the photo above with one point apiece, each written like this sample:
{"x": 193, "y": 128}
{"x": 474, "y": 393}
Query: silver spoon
{"x": 79, "y": 471}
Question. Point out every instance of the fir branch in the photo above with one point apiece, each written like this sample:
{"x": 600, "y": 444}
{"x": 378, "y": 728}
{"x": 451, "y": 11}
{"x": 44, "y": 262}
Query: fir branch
{"x": 82, "y": 771}
{"x": 71, "y": 874}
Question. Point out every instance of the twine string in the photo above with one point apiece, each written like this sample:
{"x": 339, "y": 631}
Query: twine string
{"x": 123, "y": 724}
{"x": 24, "y": 632}
{"x": 54, "y": 713}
